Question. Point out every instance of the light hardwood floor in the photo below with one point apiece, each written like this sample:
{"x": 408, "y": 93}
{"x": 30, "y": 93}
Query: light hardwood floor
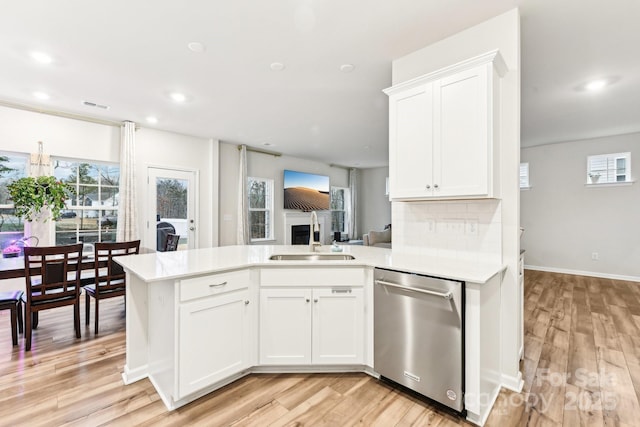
{"x": 581, "y": 367}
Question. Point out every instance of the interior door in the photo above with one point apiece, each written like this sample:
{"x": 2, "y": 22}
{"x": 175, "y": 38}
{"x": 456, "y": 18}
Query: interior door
{"x": 171, "y": 202}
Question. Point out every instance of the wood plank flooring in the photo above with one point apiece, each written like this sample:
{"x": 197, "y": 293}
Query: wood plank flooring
{"x": 581, "y": 367}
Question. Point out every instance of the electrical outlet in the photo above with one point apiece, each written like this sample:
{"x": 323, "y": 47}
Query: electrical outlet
{"x": 455, "y": 226}
{"x": 595, "y": 256}
{"x": 471, "y": 227}
{"x": 430, "y": 225}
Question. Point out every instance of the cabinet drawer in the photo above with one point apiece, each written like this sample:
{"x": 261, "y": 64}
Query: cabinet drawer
{"x": 325, "y": 276}
{"x": 213, "y": 284}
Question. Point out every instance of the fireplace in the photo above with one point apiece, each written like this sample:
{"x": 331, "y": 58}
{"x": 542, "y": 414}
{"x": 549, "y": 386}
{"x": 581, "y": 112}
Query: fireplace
{"x": 300, "y": 234}
{"x": 296, "y": 227}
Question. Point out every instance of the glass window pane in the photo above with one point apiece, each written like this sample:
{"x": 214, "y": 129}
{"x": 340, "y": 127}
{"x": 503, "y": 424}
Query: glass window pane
{"x": 171, "y": 198}
{"x": 257, "y": 194}
{"x": 9, "y": 221}
{"x": 257, "y": 224}
{"x": 11, "y": 168}
{"x": 337, "y": 221}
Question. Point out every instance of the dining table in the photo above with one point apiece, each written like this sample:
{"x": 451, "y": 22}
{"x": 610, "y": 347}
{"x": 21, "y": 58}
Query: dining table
{"x": 13, "y": 268}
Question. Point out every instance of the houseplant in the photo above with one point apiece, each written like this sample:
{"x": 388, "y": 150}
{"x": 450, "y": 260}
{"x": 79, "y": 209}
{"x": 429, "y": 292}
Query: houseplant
{"x": 33, "y": 196}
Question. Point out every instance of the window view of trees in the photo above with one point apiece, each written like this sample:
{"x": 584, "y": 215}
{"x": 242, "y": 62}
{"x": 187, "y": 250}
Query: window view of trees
{"x": 11, "y": 168}
{"x": 260, "y": 207}
{"x": 93, "y": 214}
{"x": 172, "y": 198}
{"x": 338, "y": 208}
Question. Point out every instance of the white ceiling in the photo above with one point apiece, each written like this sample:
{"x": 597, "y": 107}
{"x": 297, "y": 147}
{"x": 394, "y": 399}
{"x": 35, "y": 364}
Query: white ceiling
{"x": 130, "y": 55}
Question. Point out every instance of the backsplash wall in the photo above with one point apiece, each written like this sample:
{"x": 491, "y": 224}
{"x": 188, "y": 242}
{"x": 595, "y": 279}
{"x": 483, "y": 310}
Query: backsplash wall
{"x": 469, "y": 230}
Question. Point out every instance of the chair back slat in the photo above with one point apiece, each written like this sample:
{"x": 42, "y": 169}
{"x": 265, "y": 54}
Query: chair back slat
{"x": 52, "y": 272}
{"x": 110, "y": 275}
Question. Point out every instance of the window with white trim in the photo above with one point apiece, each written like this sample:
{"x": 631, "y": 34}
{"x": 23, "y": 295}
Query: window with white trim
{"x": 524, "y": 175}
{"x": 12, "y": 167}
{"x": 260, "y": 191}
{"x": 92, "y": 215}
{"x": 340, "y": 209}
{"x": 609, "y": 168}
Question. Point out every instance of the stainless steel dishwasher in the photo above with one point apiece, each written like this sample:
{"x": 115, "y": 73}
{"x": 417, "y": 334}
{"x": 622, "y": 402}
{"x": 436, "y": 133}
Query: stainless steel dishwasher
{"x": 418, "y": 334}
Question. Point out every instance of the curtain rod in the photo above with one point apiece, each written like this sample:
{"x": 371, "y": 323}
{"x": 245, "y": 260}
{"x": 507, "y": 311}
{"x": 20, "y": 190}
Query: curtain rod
{"x": 257, "y": 150}
{"x": 343, "y": 167}
{"x": 60, "y": 114}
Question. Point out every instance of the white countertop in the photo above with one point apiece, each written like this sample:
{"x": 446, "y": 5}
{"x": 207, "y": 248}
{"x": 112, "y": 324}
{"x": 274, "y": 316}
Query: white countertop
{"x": 158, "y": 266}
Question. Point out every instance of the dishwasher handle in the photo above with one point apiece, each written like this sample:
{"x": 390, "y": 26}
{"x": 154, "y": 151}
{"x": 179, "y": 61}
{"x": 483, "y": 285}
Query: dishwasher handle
{"x": 445, "y": 295}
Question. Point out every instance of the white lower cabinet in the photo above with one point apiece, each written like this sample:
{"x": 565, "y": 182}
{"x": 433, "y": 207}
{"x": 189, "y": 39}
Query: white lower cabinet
{"x": 285, "y": 326}
{"x": 312, "y": 326}
{"x": 215, "y": 340}
{"x": 337, "y": 326}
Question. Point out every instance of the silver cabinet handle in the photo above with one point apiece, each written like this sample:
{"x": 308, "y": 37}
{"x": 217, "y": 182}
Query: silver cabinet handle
{"x": 216, "y": 285}
{"x": 246, "y": 302}
{"x": 340, "y": 291}
{"x": 435, "y": 185}
{"x": 307, "y": 299}
{"x": 447, "y": 295}
{"x": 315, "y": 300}
{"x": 428, "y": 186}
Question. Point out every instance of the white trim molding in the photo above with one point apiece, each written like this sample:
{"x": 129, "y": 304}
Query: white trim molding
{"x": 583, "y": 273}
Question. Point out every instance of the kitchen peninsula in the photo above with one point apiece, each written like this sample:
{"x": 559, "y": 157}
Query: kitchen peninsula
{"x": 200, "y": 319}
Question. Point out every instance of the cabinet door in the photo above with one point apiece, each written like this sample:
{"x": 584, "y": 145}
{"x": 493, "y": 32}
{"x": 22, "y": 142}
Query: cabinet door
{"x": 410, "y": 142}
{"x": 214, "y": 340}
{"x": 338, "y": 326}
{"x": 285, "y": 326}
{"x": 462, "y": 141}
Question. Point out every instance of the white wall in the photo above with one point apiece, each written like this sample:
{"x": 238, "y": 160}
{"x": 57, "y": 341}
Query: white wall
{"x": 374, "y": 204}
{"x": 21, "y": 130}
{"x": 272, "y": 167}
{"x": 566, "y": 221}
{"x": 503, "y": 33}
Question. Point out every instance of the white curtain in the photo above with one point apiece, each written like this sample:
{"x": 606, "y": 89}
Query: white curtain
{"x": 243, "y": 200}
{"x": 353, "y": 189}
{"x": 127, "y": 222}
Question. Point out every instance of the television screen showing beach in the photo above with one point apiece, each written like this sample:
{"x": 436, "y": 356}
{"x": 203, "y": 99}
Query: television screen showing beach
{"x": 305, "y": 191}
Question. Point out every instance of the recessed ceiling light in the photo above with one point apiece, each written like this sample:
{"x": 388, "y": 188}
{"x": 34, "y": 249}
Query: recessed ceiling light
{"x": 347, "y": 68}
{"x": 152, "y": 120}
{"x": 41, "y": 95}
{"x": 41, "y": 57}
{"x": 595, "y": 85}
{"x": 178, "y": 97}
{"x": 277, "y": 66}
{"x": 196, "y": 47}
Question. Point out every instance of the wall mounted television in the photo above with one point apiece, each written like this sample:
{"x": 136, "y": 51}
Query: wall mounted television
{"x": 305, "y": 191}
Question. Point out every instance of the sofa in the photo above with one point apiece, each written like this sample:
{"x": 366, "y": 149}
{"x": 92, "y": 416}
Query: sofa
{"x": 380, "y": 239}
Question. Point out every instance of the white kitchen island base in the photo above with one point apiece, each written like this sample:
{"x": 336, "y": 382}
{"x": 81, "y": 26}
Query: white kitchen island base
{"x": 192, "y": 319}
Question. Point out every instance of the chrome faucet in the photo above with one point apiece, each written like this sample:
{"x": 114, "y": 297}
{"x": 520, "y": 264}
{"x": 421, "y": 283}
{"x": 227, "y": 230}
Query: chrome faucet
{"x": 313, "y": 227}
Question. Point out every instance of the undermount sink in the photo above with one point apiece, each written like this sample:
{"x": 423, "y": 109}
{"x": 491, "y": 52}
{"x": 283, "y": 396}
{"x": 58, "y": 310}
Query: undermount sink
{"x": 312, "y": 257}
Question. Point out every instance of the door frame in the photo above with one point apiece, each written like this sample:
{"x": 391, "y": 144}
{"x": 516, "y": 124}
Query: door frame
{"x": 148, "y": 238}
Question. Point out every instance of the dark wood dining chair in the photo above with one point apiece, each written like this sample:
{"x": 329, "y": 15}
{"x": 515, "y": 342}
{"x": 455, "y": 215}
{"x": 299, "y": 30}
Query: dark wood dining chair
{"x": 110, "y": 278}
{"x": 172, "y": 242}
{"x": 53, "y": 280}
{"x": 12, "y": 300}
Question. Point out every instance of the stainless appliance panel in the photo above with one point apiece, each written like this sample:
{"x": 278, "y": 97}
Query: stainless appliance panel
{"x": 418, "y": 335}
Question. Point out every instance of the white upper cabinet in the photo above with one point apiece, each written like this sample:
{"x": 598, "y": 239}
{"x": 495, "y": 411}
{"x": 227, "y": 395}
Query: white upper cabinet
{"x": 443, "y": 140}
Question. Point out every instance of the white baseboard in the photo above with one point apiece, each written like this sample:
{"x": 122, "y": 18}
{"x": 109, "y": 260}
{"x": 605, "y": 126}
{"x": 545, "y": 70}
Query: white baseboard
{"x": 513, "y": 383}
{"x": 583, "y": 273}
{"x": 129, "y": 377}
